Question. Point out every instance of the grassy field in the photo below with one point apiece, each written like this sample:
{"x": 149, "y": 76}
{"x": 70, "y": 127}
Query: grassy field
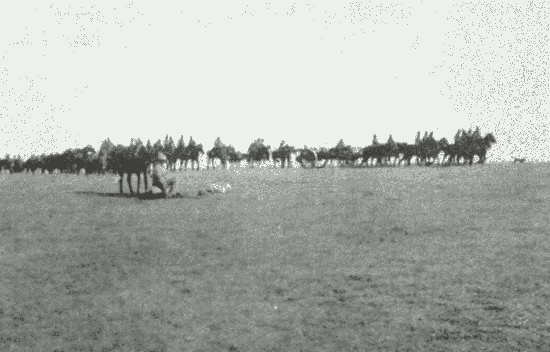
{"x": 387, "y": 259}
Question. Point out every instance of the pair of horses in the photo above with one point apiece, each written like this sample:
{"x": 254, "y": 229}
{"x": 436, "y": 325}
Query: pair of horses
{"x": 224, "y": 154}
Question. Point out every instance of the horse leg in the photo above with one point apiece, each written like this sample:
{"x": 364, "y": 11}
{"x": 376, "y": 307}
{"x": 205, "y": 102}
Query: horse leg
{"x": 120, "y": 181}
{"x": 145, "y": 180}
{"x": 129, "y": 180}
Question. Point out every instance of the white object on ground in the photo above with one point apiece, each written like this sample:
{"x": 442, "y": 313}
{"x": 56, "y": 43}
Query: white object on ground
{"x": 219, "y": 188}
{"x": 156, "y": 190}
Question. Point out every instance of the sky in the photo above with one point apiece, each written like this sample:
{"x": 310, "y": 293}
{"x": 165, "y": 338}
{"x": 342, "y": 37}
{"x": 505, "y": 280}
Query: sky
{"x": 73, "y": 74}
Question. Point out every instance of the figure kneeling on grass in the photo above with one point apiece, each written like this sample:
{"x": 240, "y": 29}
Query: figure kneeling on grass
{"x": 159, "y": 176}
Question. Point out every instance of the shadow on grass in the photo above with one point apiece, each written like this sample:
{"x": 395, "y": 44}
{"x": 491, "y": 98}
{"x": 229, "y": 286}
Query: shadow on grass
{"x": 141, "y": 196}
{"x": 106, "y": 194}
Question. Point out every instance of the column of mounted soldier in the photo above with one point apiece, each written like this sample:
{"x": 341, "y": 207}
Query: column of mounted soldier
{"x": 138, "y": 157}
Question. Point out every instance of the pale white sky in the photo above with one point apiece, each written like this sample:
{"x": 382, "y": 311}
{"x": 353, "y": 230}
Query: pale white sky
{"x": 73, "y": 74}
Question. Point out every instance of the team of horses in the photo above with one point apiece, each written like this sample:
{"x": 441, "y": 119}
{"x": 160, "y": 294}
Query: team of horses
{"x": 427, "y": 152}
{"x": 137, "y": 158}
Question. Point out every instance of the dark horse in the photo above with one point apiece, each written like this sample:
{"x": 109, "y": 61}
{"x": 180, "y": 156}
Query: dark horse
{"x": 283, "y": 154}
{"x": 234, "y": 156}
{"x": 518, "y": 160}
{"x": 218, "y": 152}
{"x": 278, "y": 155}
{"x": 408, "y": 151}
{"x": 477, "y": 146}
{"x": 129, "y": 160}
{"x": 306, "y": 156}
{"x": 324, "y": 155}
{"x": 6, "y": 165}
{"x": 191, "y": 153}
{"x": 375, "y": 152}
{"x": 486, "y": 143}
{"x": 32, "y": 164}
{"x": 451, "y": 151}
{"x": 260, "y": 153}
{"x": 94, "y": 165}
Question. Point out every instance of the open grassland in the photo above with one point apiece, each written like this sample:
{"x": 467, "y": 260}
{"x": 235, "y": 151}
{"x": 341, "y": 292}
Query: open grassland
{"x": 388, "y": 259}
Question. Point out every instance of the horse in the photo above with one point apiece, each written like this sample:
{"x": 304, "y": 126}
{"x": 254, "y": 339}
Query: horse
{"x": 5, "y": 164}
{"x": 451, "y": 151}
{"x": 429, "y": 150}
{"x": 326, "y": 155}
{"x": 467, "y": 147}
{"x": 126, "y": 160}
{"x": 217, "y": 153}
{"x": 306, "y": 156}
{"x": 283, "y": 155}
{"x": 192, "y": 152}
{"x": 408, "y": 151}
{"x": 348, "y": 156}
{"x": 473, "y": 146}
{"x": 486, "y": 143}
{"x": 518, "y": 160}
{"x": 234, "y": 156}
{"x": 278, "y": 155}
{"x": 433, "y": 153}
{"x": 368, "y": 153}
{"x": 260, "y": 153}
{"x": 340, "y": 153}
{"x": 391, "y": 150}
{"x": 32, "y": 164}
{"x": 94, "y": 165}
{"x": 379, "y": 153}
